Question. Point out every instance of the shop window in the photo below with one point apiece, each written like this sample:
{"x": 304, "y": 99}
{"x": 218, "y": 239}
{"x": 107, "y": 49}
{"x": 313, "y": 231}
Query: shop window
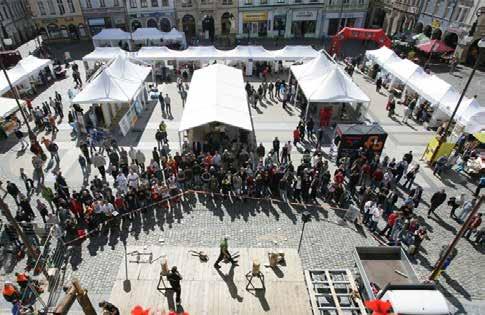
{"x": 71, "y": 7}
{"x": 302, "y": 28}
{"x": 60, "y": 5}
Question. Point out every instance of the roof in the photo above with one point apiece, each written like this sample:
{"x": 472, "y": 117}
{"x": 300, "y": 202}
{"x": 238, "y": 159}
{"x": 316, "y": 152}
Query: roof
{"x": 295, "y": 53}
{"x": 112, "y": 34}
{"x": 123, "y": 68}
{"x": 430, "y": 87}
{"x": 325, "y": 82}
{"x": 25, "y": 68}
{"x": 216, "y": 94}
{"x": 360, "y": 129}
{"x": 8, "y": 106}
{"x": 403, "y": 69}
{"x": 381, "y": 55}
{"x": 144, "y": 33}
{"x": 156, "y": 53}
{"x": 104, "y": 53}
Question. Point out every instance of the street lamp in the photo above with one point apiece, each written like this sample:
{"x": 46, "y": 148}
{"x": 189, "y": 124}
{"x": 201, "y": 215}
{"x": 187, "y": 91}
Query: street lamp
{"x": 442, "y": 139}
{"x": 305, "y": 217}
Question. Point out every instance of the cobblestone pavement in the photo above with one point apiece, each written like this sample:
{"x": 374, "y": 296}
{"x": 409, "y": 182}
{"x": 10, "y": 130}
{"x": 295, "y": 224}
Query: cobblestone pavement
{"x": 325, "y": 244}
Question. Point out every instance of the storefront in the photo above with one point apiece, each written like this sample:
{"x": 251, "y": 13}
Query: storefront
{"x": 255, "y": 24}
{"x": 304, "y": 23}
{"x": 334, "y": 22}
{"x": 69, "y": 28}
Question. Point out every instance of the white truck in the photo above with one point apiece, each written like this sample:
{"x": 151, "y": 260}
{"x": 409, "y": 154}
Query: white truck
{"x": 385, "y": 273}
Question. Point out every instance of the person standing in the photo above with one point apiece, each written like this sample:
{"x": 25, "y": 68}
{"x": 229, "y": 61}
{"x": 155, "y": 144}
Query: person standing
{"x": 296, "y": 136}
{"x": 83, "y": 164}
{"x": 20, "y": 136}
{"x": 473, "y": 226}
{"x": 455, "y": 203}
{"x": 109, "y": 308}
{"x": 28, "y": 182}
{"x": 183, "y": 96}
{"x": 467, "y": 208}
{"x": 436, "y": 200}
{"x": 276, "y": 148}
{"x": 168, "y": 106}
{"x": 162, "y": 103}
{"x": 453, "y": 64}
{"x": 224, "y": 254}
{"x": 100, "y": 162}
{"x": 378, "y": 84}
{"x": 13, "y": 191}
{"x": 480, "y": 185}
{"x": 174, "y": 279}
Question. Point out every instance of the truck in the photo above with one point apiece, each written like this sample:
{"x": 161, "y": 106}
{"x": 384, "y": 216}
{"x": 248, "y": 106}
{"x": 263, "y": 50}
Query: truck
{"x": 385, "y": 273}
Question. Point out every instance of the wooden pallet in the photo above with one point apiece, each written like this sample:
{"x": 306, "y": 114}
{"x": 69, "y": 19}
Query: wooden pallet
{"x": 333, "y": 292}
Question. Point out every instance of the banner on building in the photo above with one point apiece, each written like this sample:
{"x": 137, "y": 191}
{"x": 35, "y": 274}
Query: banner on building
{"x": 255, "y": 17}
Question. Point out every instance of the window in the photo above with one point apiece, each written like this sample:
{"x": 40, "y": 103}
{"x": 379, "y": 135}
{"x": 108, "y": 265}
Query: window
{"x": 263, "y": 1}
{"x": 40, "y": 4}
{"x": 144, "y": 3}
{"x": 60, "y": 5}
{"x": 89, "y": 5}
{"x": 102, "y": 3}
{"x": 227, "y": 2}
{"x": 186, "y": 3}
{"x": 52, "y": 9}
{"x": 164, "y": 3}
{"x": 154, "y": 3}
{"x": 346, "y": 2}
{"x": 361, "y": 2}
{"x": 280, "y": 1}
{"x": 116, "y": 3}
{"x": 70, "y": 5}
{"x": 248, "y": 2}
{"x": 132, "y": 3}
{"x": 437, "y": 7}
{"x": 448, "y": 9}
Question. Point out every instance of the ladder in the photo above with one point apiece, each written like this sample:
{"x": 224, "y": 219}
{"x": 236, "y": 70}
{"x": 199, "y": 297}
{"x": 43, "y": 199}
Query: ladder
{"x": 334, "y": 291}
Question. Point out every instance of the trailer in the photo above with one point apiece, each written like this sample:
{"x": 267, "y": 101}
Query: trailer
{"x": 385, "y": 273}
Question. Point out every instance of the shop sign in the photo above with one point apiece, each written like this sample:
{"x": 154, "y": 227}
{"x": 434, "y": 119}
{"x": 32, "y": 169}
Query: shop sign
{"x": 49, "y": 21}
{"x": 255, "y": 17}
{"x": 154, "y": 14}
{"x": 305, "y": 15}
{"x": 96, "y": 22}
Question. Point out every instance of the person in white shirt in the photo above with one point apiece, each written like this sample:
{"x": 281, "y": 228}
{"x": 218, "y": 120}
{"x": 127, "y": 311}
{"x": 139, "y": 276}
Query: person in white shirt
{"x": 367, "y": 210}
{"x": 132, "y": 179}
{"x": 376, "y": 213}
{"x": 121, "y": 183}
{"x": 108, "y": 208}
{"x": 168, "y": 107}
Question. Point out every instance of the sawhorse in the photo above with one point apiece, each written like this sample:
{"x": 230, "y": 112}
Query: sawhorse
{"x": 250, "y": 276}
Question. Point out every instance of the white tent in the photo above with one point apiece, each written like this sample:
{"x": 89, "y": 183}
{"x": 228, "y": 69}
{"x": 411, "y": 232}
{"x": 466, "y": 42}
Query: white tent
{"x": 381, "y": 55}
{"x": 8, "y": 106}
{"x": 325, "y": 82}
{"x": 176, "y": 36}
{"x": 156, "y": 53}
{"x": 144, "y": 33}
{"x": 295, "y": 53}
{"x": 216, "y": 94}
{"x": 107, "y": 89}
{"x": 123, "y": 68}
{"x": 403, "y": 69}
{"x": 199, "y": 53}
{"x": 24, "y": 69}
{"x": 430, "y": 87}
{"x": 109, "y": 34}
{"x": 105, "y": 54}
{"x": 313, "y": 68}
{"x": 244, "y": 53}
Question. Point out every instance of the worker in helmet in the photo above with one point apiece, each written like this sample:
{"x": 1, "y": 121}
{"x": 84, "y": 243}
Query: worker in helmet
{"x": 10, "y": 292}
{"x": 22, "y": 279}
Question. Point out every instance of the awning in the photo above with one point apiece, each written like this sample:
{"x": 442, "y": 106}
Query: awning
{"x": 216, "y": 94}
{"x": 381, "y": 55}
{"x": 105, "y": 54}
{"x": 112, "y": 34}
{"x": 403, "y": 69}
{"x": 24, "y": 69}
{"x": 8, "y": 106}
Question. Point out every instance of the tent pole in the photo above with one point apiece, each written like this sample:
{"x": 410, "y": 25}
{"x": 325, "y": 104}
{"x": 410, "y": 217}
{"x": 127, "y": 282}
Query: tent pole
{"x": 154, "y": 79}
{"x": 306, "y": 110}
{"x": 296, "y": 93}
{"x": 180, "y": 141}
{"x": 289, "y": 76}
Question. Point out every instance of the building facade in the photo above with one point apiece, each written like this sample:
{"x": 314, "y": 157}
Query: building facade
{"x": 58, "y": 19}
{"x": 207, "y": 19}
{"x": 99, "y": 14}
{"x": 401, "y": 15}
{"x": 299, "y": 18}
{"x": 151, "y": 13}
{"x": 16, "y": 24}
{"x": 376, "y": 14}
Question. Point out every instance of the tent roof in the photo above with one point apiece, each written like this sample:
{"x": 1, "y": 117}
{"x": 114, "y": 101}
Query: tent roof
{"x": 156, "y": 53}
{"x": 312, "y": 68}
{"x": 430, "y": 87}
{"x": 246, "y": 52}
{"x": 112, "y": 34}
{"x": 8, "y": 106}
{"x": 107, "y": 89}
{"x": 174, "y": 35}
{"x": 22, "y": 70}
{"x": 143, "y": 33}
{"x": 123, "y": 68}
{"x": 104, "y": 53}
{"x": 295, "y": 53}
{"x": 403, "y": 69}
{"x": 216, "y": 94}
{"x": 322, "y": 81}
{"x": 198, "y": 52}
{"x": 381, "y": 55}
{"x": 360, "y": 129}
{"x": 471, "y": 115}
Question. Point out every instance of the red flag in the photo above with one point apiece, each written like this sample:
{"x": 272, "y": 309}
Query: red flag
{"x": 138, "y": 310}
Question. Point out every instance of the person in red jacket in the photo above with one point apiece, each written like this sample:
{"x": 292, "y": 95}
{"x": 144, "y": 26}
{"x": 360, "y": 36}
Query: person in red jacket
{"x": 296, "y": 136}
{"x": 76, "y": 207}
{"x": 377, "y": 177}
{"x": 391, "y": 219}
{"x": 473, "y": 226}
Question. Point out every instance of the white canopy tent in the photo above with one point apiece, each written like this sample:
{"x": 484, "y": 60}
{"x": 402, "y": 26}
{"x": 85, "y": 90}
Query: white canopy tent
{"x": 123, "y": 68}
{"x": 8, "y": 106}
{"x": 216, "y": 94}
{"x": 292, "y": 53}
{"x": 402, "y": 69}
{"x": 104, "y": 54}
{"x": 471, "y": 115}
{"x": 25, "y": 68}
{"x": 156, "y": 53}
{"x": 147, "y": 33}
{"x": 111, "y": 36}
{"x": 381, "y": 56}
{"x": 313, "y": 68}
{"x": 175, "y": 36}
{"x": 430, "y": 87}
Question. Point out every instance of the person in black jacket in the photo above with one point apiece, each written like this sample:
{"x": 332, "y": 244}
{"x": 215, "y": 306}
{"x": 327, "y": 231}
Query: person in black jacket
{"x": 174, "y": 278}
{"x": 14, "y": 191}
{"x": 436, "y": 200}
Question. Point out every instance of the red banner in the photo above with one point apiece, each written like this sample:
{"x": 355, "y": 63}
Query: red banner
{"x": 376, "y": 35}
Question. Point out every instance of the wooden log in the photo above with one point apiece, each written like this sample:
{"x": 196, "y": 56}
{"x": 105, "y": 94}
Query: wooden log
{"x": 83, "y": 299}
{"x": 65, "y": 304}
